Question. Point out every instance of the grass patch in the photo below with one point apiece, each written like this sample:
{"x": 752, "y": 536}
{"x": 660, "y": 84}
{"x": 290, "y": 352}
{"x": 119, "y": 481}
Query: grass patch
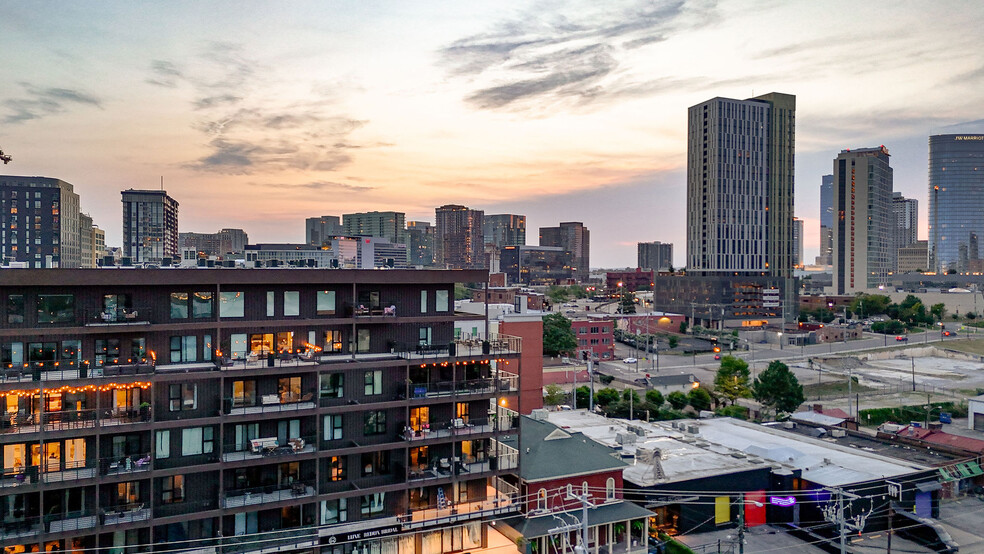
{"x": 876, "y": 416}
{"x": 836, "y": 388}
{"x": 972, "y": 346}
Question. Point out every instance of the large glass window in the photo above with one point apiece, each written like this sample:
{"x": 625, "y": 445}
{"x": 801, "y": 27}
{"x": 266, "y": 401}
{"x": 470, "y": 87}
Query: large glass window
{"x": 15, "y": 308}
{"x": 441, "y": 300}
{"x": 201, "y": 304}
{"x": 373, "y": 503}
{"x": 182, "y": 397}
{"x": 332, "y": 385}
{"x": 179, "y": 305}
{"x": 333, "y": 427}
{"x": 326, "y": 302}
{"x": 197, "y": 440}
{"x": 375, "y": 463}
{"x": 163, "y": 444}
{"x": 238, "y": 345}
{"x": 12, "y": 354}
{"x": 289, "y": 389}
{"x": 375, "y": 422}
{"x": 107, "y": 352}
{"x": 334, "y": 511}
{"x": 292, "y": 303}
{"x": 423, "y": 302}
{"x": 271, "y": 303}
{"x": 336, "y": 468}
{"x": 362, "y": 341}
{"x": 232, "y": 304}
{"x": 172, "y": 489}
{"x": 374, "y": 382}
{"x": 244, "y": 393}
{"x": 56, "y": 308}
{"x": 333, "y": 341}
{"x": 184, "y": 349}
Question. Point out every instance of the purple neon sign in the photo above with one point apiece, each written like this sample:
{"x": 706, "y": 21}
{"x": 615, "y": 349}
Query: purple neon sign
{"x": 782, "y": 500}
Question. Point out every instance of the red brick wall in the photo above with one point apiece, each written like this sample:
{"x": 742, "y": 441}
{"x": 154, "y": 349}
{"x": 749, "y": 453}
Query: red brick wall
{"x": 556, "y": 500}
{"x": 530, "y": 365}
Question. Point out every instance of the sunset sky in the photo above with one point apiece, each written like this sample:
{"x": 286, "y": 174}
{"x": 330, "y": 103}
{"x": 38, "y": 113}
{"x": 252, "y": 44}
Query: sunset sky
{"x": 260, "y": 114}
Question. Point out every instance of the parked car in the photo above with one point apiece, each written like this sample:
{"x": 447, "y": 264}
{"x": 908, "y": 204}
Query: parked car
{"x": 629, "y": 361}
{"x": 900, "y": 338}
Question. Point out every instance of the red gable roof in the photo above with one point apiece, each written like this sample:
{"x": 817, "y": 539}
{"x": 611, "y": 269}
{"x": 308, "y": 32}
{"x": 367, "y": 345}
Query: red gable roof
{"x": 943, "y": 438}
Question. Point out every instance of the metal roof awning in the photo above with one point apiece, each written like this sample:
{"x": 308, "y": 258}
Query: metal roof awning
{"x": 929, "y": 486}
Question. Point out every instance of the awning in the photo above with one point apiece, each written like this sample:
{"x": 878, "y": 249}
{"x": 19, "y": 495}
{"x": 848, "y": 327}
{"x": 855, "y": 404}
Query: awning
{"x": 929, "y": 486}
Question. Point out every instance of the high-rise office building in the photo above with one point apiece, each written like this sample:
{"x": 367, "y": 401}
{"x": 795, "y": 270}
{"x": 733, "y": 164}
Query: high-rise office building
{"x": 388, "y": 225}
{"x": 269, "y": 411}
{"x": 319, "y": 230}
{"x": 740, "y": 162}
{"x": 862, "y": 213}
{"x": 150, "y": 226}
{"x": 460, "y": 240}
{"x": 956, "y": 201}
{"x": 826, "y": 220}
{"x": 225, "y": 242}
{"x": 574, "y": 237}
{"x": 797, "y": 242}
{"x": 905, "y": 225}
{"x": 87, "y": 242}
{"x": 420, "y": 243}
{"x": 39, "y": 222}
{"x": 504, "y": 230}
{"x": 657, "y": 256}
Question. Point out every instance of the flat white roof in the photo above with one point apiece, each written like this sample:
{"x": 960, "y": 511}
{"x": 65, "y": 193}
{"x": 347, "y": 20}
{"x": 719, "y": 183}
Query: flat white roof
{"x": 726, "y": 445}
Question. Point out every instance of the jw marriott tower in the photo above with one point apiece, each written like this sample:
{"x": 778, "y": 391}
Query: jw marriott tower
{"x": 740, "y": 186}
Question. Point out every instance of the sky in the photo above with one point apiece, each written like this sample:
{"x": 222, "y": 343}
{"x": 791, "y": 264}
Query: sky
{"x": 257, "y": 115}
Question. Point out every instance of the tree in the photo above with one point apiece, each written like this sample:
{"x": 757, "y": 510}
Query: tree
{"x": 557, "y": 294}
{"x": 606, "y": 396}
{"x": 867, "y": 304}
{"x": 938, "y": 311}
{"x": 700, "y": 399}
{"x": 890, "y": 327}
{"x": 627, "y": 303}
{"x": 683, "y": 327}
{"x": 674, "y": 342}
{"x": 654, "y": 397}
{"x": 631, "y": 393}
{"x": 583, "y": 394}
{"x": 777, "y": 388}
{"x": 554, "y": 395}
{"x": 732, "y": 379}
{"x": 677, "y": 399}
{"x": 558, "y": 336}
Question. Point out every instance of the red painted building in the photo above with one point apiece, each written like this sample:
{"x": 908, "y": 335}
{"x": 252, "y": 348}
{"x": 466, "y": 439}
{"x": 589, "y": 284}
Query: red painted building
{"x": 595, "y": 336}
{"x": 631, "y": 281}
{"x": 530, "y": 329}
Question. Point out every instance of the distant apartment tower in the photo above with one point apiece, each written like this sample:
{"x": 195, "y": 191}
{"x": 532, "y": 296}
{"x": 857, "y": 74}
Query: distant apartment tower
{"x": 504, "y": 230}
{"x": 740, "y": 185}
{"x": 574, "y": 237}
{"x": 826, "y": 220}
{"x": 40, "y": 222}
{"x": 460, "y": 241}
{"x": 388, "y": 225}
{"x": 318, "y": 230}
{"x": 656, "y": 256}
{"x": 797, "y": 242}
{"x": 150, "y": 226}
{"x": 956, "y": 201}
{"x": 862, "y": 213}
{"x": 87, "y": 242}
{"x": 223, "y": 243}
{"x": 420, "y": 243}
{"x": 905, "y": 225}
{"x": 914, "y": 257}
{"x": 537, "y": 265}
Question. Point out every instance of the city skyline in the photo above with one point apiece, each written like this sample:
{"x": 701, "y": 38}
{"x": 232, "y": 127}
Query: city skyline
{"x": 259, "y": 117}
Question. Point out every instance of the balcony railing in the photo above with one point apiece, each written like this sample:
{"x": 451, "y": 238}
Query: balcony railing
{"x": 264, "y": 495}
{"x": 72, "y": 419}
{"x": 257, "y": 449}
{"x": 139, "y": 315}
{"x": 268, "y": 403}
{"x": 125, "y": 513}
{"x": 125, "y": 465}
{"x": 507, "y": 456}
{"x": 452, "y": 388}
{"x": 286, "y": 540}
{"x": 454, "y": 428}
{"x": 497, "y": 345}
{"x": 497, "y": 502}
{"x": 69, "y": 471}
{"x": 14, "y": 527}
{"x": 71, "y": 521}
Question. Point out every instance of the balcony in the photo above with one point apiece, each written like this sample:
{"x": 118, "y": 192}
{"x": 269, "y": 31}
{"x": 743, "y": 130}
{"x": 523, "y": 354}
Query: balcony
{"x": 287, "y": 540}
{"x": 254, "y": 496}
{"x": 72, "y": 521}
{"x": 125, "y": 465}
{"x": 125, "y": 513}
{"x": 266, "y": 448}
{"x": 71, "y": 420}
{"x": 453, "y": 388}
{"x": 455, "y": 428}
{"x": 507, "y": 456}
{"x": 140, "y": 315}
{"x": 72, "y": 471}
{"x": 497, "y": 345}
{"x": 15, "y": 527}
{"x": 499, "y": 502}
{"x": 268, "y": 404}
{"x": 443, "y": 468}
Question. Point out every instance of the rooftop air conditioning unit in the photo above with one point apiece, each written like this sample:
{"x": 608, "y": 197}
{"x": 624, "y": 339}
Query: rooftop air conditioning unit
{"x": 539, "y": 414}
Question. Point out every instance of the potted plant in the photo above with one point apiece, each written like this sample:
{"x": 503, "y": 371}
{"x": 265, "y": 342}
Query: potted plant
{"x": 145, "y": 411}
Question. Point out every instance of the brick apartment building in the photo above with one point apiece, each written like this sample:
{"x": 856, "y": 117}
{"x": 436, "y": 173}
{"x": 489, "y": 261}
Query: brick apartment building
{"x": 236, "y": 410}
{"x": 595, "y": 336}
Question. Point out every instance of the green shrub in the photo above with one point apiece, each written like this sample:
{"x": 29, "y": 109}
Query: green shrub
{"x": 737, "y": 412}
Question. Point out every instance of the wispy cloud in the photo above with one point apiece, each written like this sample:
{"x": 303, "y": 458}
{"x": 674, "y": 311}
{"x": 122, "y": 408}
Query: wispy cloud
{"x": 38, "y": 102}
{"x": 320, "y": 186}
{"x": 250, "y": 129}
{"x": 531, "y": 58}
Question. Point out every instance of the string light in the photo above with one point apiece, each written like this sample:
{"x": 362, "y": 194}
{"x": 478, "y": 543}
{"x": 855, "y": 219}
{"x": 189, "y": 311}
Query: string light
{"x": 76, "y": 390}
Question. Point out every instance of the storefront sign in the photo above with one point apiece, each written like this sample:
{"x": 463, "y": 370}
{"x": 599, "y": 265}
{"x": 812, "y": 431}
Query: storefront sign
{"x": 784, "y": 501}
{"x": 365, "y": 534}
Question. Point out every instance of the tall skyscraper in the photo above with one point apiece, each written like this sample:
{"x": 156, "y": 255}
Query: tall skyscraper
{"x": 574, "y": 237}
{"x": 862, "y": 210}
{"x": 797, "y": 242}
{"x": 826, "y": 220}
{"x": 460, "y": 242}
{"x": 956, "y": 201}
{"x": 505, "y": 230}
{"x": 740, "y": 162}
{"x": 388, "y": 225}
{"x": 318, "y": 230}
{"x": 150, "y": 226}
{"x": 905, "y": 225}
{"x": 657, "y": 256}
{"x": 420, "y": 243}
{"x": 40, "y": 222}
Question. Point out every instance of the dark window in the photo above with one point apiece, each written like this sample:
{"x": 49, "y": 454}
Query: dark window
{"x": 56, "y": 308}
{"x": 201, "y": 305}
{"x": 15, "y": 308}
{"x": 374, "y": 382}
{"x": 332, "y": 385}
{"x": 375, "y": 423}
{"x": 182, "y": 397}
{"x": 375, "y": 463}
{"x": 179, "y": 305}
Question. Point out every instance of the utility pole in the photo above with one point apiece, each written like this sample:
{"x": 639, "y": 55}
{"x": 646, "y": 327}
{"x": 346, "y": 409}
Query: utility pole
{"x": 584, "y": 498}
{"x": 591, "y": 379}
{"x": 913, "y": 361}
{"x": 741, "y": 524}
{"x": 835, "y": 514}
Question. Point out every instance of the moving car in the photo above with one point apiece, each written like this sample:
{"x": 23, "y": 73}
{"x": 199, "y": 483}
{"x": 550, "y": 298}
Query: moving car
{"x": 629, "y": 361}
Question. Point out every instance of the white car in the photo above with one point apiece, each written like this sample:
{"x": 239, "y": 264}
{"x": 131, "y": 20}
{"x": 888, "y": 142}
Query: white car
{"x": 629, "y": 361}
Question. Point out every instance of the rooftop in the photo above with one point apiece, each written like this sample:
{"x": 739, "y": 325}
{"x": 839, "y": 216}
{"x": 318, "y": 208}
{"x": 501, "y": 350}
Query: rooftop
{"x": 542, "y": 445}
